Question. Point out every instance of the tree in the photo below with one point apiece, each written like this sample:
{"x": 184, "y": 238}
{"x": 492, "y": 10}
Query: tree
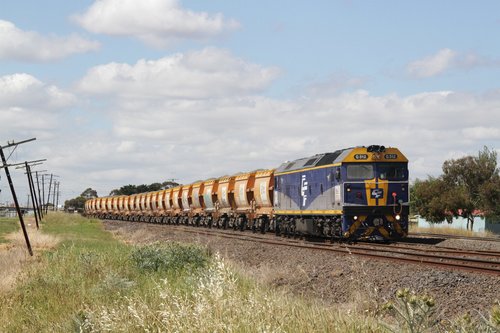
{"x": 468, "y": 186}
{"x": 134, "y": 189}
{"x": 490, "y": 193}
{"x": 89, "y": 194}
{"x": 427, "y": 198}
{"x": 78, "y": 203}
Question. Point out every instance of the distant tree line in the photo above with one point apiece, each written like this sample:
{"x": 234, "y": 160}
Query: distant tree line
{"x": 134, "y": 189}
{"x": 78, "y": 203}
{"x": 468, "y": 187}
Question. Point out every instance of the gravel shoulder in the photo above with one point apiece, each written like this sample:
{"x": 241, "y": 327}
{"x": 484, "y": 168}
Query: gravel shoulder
{"x": 344, "y": 280}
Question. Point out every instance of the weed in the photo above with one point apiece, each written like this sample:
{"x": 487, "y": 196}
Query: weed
{"x": 217, "y": 299}
{"x": 483, "y": 324}
{"x": 412, "y": 312}
{"x": 169, "y": 257}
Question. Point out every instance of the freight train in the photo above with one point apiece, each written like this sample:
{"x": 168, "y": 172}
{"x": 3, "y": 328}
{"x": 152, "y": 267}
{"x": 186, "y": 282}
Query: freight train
{"x": 350, "y": 194}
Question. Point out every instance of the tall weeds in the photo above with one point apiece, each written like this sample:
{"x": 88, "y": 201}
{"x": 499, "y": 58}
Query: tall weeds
{"x": 217, "y": 300}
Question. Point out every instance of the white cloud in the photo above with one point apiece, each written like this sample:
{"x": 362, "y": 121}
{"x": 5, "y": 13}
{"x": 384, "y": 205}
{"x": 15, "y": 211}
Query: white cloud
{"x": 16, "y": 44}
{"x": 334, "y": 84}
{"x": 432, "y": 65}
{"x": 156, "y": 22}
{"x": 144, "y": 137}
{"x": 22, "y": 90}
{"x": 446, "y": 60}
{"x": 207, "y": 73}
{"x": 482, "y": 133}
{"x": 30, "y": 108}
{"x": 191, "y": 116}
{"x": 196, "y": 139}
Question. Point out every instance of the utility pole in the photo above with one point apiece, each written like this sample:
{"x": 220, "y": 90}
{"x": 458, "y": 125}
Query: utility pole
{"x": 33, "y": 194}
{"x": 54, "y": 196}
{"x": 13, "y": 191}
{"x": 52, "y": 176}
{"x": 58, "y": 192}
{"x": 36, "y": 210}
{"x": 48, "y": 195}
{"x": 40, "y": 207}
{"x": 43, "y": 195}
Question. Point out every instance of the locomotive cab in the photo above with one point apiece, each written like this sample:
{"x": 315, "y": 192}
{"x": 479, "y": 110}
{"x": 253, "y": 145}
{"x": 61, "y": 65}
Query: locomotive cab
{"x": 375, "y": 193}
{"x": 354, "y": 193}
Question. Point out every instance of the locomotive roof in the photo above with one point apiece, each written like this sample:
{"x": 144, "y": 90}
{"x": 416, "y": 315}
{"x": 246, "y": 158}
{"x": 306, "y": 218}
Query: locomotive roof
{"x": 313, "y": 161}
{"x": 353, "y": 154}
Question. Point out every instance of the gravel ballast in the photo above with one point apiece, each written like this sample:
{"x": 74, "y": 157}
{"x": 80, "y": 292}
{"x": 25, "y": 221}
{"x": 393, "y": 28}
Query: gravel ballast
{"x": 341, "y": 279}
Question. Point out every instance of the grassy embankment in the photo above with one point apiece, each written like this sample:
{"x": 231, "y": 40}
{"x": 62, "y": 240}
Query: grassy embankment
{"x": 92, "y": 282}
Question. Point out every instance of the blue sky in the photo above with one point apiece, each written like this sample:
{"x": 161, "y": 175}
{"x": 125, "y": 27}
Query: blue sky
{"x": 229, "y": 86}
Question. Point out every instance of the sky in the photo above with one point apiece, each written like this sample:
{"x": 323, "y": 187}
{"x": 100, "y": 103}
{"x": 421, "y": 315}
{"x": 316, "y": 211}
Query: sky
{"x": 121, "y": 92}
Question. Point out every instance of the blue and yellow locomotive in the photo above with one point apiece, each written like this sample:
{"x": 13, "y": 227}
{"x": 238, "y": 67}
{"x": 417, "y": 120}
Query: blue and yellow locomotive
{"x": 353, "y": 193}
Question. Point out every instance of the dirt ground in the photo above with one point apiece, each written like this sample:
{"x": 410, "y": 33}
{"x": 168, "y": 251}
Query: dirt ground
{"x": 344, "y": 280}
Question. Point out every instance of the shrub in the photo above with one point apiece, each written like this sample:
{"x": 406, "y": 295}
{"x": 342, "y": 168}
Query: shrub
{"x": 169, "y": 257}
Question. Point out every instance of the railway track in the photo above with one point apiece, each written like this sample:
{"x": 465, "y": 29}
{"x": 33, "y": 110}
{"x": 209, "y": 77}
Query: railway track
{"x": 438, "y": 257}
{"x": 427, "y": 234}
{"x": 440, "y": 249}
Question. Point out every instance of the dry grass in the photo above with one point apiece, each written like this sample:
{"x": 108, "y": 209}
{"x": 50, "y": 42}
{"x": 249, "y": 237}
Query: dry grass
{"x": 218, "y": 300}
{"x": 139, "y": 236}
{"x": 14, "y": 255}
{"x": 451, "y": 231}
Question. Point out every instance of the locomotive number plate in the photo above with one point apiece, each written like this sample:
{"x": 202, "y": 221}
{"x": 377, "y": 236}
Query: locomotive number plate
{"x": 391, "y": 156}
{"x": 360, "y": 157}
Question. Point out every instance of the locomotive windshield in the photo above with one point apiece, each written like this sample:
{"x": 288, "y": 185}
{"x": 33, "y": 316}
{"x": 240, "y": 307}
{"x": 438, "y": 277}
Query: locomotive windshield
{"x": 360, "y": 171}
{"x": 383, "y": 171}
{"x": 392, "y": 171}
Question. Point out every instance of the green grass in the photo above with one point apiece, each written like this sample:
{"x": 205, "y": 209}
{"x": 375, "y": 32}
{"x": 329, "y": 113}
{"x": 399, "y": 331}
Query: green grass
{"x": 7, "y": 226}
{"x": 94, "y": 283}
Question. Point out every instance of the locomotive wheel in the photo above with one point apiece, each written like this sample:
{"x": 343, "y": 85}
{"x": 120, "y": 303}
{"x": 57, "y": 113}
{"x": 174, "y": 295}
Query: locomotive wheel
{"x": 243, "y": 223}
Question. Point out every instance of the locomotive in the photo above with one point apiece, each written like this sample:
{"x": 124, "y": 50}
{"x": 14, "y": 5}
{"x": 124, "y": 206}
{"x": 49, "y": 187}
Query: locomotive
{"x": 349, "y": 194}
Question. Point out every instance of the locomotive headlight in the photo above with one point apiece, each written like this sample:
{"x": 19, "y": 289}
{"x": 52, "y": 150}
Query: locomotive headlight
{"x": 398, "y": 217}
{"x": 355, "y": 218}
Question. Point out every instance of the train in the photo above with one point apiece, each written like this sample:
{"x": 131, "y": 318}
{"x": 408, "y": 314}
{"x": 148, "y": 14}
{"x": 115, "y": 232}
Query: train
{"x": 357, "y": 193}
